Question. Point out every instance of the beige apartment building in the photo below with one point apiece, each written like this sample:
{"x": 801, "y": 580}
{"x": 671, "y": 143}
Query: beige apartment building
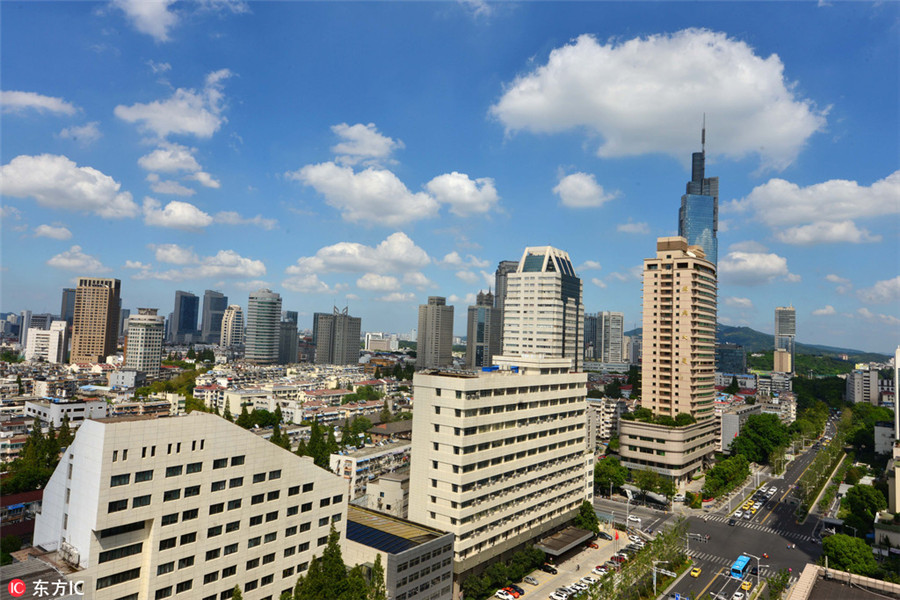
{"x": 499, "y": 457}
{"x": 679, "y": 362}
{"x": 187, "y": 507}
{"x": 95, "y": 326}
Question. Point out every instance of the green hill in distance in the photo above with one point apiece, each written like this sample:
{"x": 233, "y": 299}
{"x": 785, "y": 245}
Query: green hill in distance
{"x": 755, "y": 341}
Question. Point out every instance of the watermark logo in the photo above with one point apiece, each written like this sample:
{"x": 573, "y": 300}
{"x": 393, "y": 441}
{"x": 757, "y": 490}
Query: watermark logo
{"x": 16, "y": 588}
{"x": 46, "y": 589}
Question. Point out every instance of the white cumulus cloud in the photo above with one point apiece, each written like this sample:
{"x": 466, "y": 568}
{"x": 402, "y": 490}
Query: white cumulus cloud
{"x": 85, "y": 134}
{"x": 187, "y": 111}
{"x": 13, "y": 101}
{"x": 205, "y": 179}
{"x": 370, "y": 196}
{"x": 464, "y": 196}
{"x": 74, "y": 259}
{"x": 174, "y": 254}
{"x": 753, "y": 268}
{"x": 376, "y": 282}
{"x": 417, "y": 280}
{"x": 167, "y": 186}
{"x": 467, "y": 276}
{"x": 738, "y": 302}
{"x": 57, "y": 182}
{"x": 397, "y": 297}
{"x": 824, "y": 311}
{"x": 826, "y": 232}
{"x": 170, "y": 158}
{"x": 640, "y": 96}
{"x": 54, "y": 232}
{"x": 878, "y": 317}
{"x": 823, "y": 212}
{"x": 581, "y": 190}
{"x": 630, "y": 227}
{"x": 224, "y": 264}
{"x": 598, "y": 282}
{"x": 176, "y": 214}
{"x": 588, "y": 265}
{"x": 397, "y": 253}
{"x": 363, "y": 143}
{"x": 232, "y": 218}
{"x": 882, "y": 292}
{"x": 309, "y": 283}
{"x": 136, "y": 264}
{"x": 151, "y": 17}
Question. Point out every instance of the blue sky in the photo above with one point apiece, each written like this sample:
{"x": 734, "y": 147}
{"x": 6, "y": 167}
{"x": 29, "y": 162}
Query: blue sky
{"x": 373, "y": 154}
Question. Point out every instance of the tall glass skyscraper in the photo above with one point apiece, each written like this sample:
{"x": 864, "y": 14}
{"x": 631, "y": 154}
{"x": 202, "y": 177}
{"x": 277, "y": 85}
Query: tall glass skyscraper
{"x": 698, "y": 217}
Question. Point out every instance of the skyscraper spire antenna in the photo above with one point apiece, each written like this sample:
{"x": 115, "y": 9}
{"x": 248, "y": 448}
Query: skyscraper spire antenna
{"x": 703, "y": 135}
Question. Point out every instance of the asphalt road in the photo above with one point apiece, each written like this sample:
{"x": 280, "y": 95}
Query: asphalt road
{"x": 770, "y": 531}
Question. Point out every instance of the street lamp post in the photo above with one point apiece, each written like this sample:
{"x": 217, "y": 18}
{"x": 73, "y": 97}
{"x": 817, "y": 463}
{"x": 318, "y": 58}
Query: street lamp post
{"x": 851, "y": 527}
{"x": 657, "y": 562}
{"x": 757, "y": 567}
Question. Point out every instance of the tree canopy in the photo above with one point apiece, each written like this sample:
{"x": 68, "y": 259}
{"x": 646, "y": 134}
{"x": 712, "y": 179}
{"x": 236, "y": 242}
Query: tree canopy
{"x": 608, "y": 471}
{"x": 760, "y": 436}
{"x": 849, "y": 554}
{"x": 862, "y": 502}
{"x": 587, "y": 518}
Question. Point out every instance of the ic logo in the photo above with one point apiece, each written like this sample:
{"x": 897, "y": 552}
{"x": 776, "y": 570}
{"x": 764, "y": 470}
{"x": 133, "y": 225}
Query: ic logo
{"x": 16, "y": 588}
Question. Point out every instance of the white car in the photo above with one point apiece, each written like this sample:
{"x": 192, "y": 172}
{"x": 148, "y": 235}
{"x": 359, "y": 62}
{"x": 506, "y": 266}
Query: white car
{"x": 678, "y": 498}
{"x": 600, "y": 572}
{"x": 738, "y": 596}
{"x": 634, "y": 519}
{"x": 635, "y": 538}
{"x": 738, "y": 514}
{"x": 588, "y": 580}
{"x": 771, "y": 492}
{"x": 557, "y": 596}
{"x": 748, "y": 515}
{"x": 763, "y": 489}
{"x": 504, "y": 595}
{"x": 579, "y": 586}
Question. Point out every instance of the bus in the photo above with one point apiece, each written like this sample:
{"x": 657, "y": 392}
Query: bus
{"x": 740, "y": 566}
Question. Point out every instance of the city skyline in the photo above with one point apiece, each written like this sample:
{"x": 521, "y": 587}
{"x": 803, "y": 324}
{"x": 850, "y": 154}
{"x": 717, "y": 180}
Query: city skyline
{"x": 378, "y": 182}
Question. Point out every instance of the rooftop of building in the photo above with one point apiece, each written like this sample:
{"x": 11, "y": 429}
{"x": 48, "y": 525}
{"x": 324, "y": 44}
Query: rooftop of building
{"x": 386, "y": 532}
{"x": 376, "y": 448}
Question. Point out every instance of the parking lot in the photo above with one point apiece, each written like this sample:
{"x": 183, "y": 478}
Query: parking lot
{"x": 575, "y": 565}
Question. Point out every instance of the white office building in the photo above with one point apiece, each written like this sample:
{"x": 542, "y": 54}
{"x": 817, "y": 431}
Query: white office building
{"x": 543, "y": 311}
{"x": 263, "y": 327}
{"x": 144, "y": 342}
{"x": 47, "y": 345}
{"x": 185, "y": 507}
{"x": 499, "y": 457}
{"x": 232, "y": 327}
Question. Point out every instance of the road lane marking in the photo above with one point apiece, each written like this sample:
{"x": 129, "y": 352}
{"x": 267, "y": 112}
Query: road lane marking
{"x": 703, "y": 591}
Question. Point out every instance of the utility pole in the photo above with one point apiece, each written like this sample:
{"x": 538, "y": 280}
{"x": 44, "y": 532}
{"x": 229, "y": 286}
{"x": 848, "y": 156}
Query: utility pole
{"x": 657, "y": 562}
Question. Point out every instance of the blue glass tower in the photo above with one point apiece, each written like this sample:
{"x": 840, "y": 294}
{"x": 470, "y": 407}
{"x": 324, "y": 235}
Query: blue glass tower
{"x": 698, "y": 217}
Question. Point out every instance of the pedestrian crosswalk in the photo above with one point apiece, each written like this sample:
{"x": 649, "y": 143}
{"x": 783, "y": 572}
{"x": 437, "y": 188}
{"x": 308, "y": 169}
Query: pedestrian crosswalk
{"x": 794, "y": 535}
{"x": 706, "y": 557}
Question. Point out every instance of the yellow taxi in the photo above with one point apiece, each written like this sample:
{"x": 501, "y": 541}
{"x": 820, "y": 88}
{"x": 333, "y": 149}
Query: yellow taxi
{"x": 746, "y": 586}
{"x": 695, "y": 572}
{"x": 752, "y": 510}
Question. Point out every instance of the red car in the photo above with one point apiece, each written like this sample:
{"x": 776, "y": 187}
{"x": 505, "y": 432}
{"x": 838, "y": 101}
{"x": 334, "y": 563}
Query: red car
{"x": 593, "y": 545}
{"x": 511, "y": 592}
{"x": 619, "y": 558}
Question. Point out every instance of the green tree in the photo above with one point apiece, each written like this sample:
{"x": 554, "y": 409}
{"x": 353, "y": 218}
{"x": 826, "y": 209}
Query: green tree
{"x": 331, "y": 445}
{"x": 301, "y": 448}
{"x": 236, "y": 593}
{"x": 356, "y": 588}
{"x": 613, "y": 389}
{"x": 191, "y": 354}
{"x": 613, "y": 445}
{"x": 683, "y": 419}
{"x": 360, "y": 425}
{"x": 19, "y": 385}
{"x": 667, "y": 487}
{"x": 377, "y": 589}
{"x": 385, "y": 416}
{"x": 849, "y": 554}
{"x": 759, "y": 437}
{"x": 634, "y": 380}
{"x": 863, "y": 502}
{"x": 65, "y": 436}
{"x": 227, "y": 414}
{"x": 777, "y": 583}
{"x": 333, "y": 569}
{"x": 587, "y": 518}
{"x": 609, "y": 472}
{"x": 347, "y": 437}
{"x": 646, "y": 480}
{"x": 733, "y": 387}
{"x": 244, "y": 419}
{"x": 8, "y": 545}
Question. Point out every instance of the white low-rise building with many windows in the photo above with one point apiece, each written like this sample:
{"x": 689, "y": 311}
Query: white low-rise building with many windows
{"x": 146, "y": 508}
